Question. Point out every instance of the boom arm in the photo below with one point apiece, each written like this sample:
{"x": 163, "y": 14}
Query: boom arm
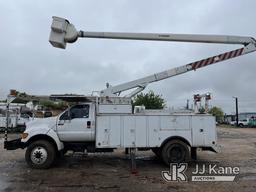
{"x": 193, "y": 38}
{"x": 141, "y": 84}
{"x": 64, "y": 32}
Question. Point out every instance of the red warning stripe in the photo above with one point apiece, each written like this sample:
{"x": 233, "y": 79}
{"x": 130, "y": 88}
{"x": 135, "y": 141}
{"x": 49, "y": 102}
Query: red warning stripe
{"x": 216, "y": 58}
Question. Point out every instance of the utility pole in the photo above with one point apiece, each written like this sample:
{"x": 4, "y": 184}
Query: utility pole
{"x": 187, "y": 107}
{"x": 236, "y": 110}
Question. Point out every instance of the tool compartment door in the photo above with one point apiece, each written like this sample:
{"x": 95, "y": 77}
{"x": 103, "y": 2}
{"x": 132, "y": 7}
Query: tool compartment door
{"x": 203, "y": 130}
{"x": 121, "y": 131}
{"x": 108, "y": 132}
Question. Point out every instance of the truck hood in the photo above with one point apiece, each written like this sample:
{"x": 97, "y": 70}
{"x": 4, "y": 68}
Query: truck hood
{"x": 49, "y": 122}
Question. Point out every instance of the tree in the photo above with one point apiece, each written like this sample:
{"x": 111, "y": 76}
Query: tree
{"x": 217, "y": 112}
{"x": 53, "y": 105}
{"x": 150, "y": 100}
{"x": 19, "y": 98}
{"x": 21, "y": 94}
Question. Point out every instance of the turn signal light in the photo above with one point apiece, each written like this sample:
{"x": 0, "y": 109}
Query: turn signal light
{"x": 24, "y": 135}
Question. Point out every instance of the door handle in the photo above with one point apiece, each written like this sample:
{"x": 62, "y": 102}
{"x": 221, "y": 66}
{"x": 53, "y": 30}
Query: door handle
{"x": 88, "y": 124}
{"x": 60, "y": 123}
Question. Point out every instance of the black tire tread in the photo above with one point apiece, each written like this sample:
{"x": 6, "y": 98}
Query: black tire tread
{"x": 172, "y": 142}
{"x": 50, "y": 150}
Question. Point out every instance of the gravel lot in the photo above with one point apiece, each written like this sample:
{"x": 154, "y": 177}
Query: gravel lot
{"x": 111, "y": 172}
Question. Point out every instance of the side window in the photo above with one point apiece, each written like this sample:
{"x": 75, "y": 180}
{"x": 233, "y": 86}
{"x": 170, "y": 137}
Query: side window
{"x": 25, "y": 116}
{"x": 79, "y": 111}
{"x": 64, "y": 116}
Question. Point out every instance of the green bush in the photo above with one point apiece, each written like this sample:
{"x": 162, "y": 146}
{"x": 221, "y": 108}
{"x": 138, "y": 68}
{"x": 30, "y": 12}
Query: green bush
{"x": 150, "y": 100}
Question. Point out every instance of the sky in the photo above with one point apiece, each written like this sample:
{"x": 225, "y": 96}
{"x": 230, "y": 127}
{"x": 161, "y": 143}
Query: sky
{"x": 30, "y": 64}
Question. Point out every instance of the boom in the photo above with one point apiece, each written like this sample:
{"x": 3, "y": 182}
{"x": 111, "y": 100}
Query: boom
{"x": 141, "y": 84}
{"x": 64, "y": 32}
{"x": 194, "y": 38}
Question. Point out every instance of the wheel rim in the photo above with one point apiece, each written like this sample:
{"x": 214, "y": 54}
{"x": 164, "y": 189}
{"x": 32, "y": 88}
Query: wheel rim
{"x": 38, "y": 155}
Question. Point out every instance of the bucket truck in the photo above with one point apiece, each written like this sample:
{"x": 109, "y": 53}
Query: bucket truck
{"x": 106, "y": 122}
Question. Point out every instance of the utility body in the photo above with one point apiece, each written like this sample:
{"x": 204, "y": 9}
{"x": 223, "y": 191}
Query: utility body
{"x": 105, "y": 122}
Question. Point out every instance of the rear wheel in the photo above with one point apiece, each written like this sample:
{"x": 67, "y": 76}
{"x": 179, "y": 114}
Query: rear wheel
{"x": 40, "y": 154}
{"x": 175, "y": 151}
{"x": 193, "y": 152}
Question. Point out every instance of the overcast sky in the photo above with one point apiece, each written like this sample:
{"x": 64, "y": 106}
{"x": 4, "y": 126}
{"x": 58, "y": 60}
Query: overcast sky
{"x": 29, "y": 63}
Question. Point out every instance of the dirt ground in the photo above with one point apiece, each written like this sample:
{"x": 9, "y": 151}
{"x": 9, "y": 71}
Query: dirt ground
{"x": 111, "y": 171}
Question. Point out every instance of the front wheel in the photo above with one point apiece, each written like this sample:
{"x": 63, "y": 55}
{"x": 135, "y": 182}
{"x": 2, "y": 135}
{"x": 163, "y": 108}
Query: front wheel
{"x": 40, "y": 154}
{"x": 241, "y": 125}
{"x": 175, "y": 151}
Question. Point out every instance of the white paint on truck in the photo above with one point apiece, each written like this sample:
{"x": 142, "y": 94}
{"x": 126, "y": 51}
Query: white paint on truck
{"x": 140, "y": 130}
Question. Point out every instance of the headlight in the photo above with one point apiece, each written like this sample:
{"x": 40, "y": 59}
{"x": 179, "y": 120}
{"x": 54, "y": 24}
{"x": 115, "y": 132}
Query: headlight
{"x": 24, "y": 135}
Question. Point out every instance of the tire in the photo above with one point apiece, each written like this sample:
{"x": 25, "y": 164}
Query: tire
{"x": 65, "y": 150}
{"x": 157, "y": 152}
{"x": 193, "y": 152}
{"x": 175, "y": 151}
{"x": 241, "y": 125}
{"x": 40, "y": 154}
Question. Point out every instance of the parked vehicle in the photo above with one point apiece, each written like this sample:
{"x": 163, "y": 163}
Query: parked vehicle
{"x": 105, "y": 122}
{"x": 13, "y": 120}
{"x": 241, "y": 123}
{"x": 23, "y": 119}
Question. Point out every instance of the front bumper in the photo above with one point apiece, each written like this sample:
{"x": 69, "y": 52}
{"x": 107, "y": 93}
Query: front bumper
{"x": 14, "y": 144}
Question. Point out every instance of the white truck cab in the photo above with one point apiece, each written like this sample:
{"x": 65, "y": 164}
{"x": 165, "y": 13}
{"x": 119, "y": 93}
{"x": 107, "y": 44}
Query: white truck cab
{"x": 77, "y": 123}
